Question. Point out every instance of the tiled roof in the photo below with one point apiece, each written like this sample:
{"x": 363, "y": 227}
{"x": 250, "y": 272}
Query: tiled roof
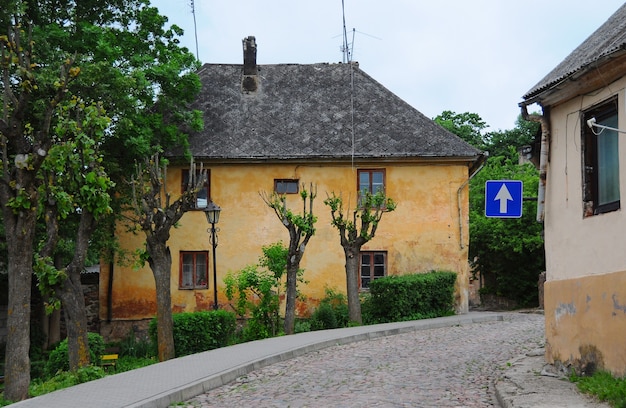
{"x": 310, "y": 111}
{"x": 606, "y": 40}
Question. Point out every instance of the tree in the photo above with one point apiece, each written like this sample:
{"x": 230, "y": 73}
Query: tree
{"x": 354, "y": 232}
{"x": 154, "y": 212}
{"x": 76, "y": 186}
{"x": 508, "y": 253}
{"x": 25, "y": 139}
{"x": 468, "y": 126}
{"x": 115, "y": 52}
{"x": 301, "y": 229}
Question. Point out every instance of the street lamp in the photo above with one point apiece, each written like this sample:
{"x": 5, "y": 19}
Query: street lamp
{"x": 212, "y": 212}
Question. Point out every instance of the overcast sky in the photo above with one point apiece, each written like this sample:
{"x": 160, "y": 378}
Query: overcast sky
{"x": 478, "y": 56}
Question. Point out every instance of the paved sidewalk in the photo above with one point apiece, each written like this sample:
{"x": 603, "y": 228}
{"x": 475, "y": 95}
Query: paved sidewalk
{"x": 182, "y": 379}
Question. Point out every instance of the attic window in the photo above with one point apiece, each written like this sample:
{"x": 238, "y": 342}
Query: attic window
{"x": 204, "y": 195}
{"x": 286, "y": 186}
{"x": 601, "y": 192}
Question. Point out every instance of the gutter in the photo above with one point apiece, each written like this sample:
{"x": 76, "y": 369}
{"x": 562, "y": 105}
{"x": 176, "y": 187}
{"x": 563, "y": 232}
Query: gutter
{"x": 478, "y": 165}
{"x": 543, "y": 157}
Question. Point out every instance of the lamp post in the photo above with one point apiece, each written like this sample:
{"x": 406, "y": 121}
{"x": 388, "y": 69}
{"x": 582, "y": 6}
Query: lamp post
{"x": 212, "y": 212}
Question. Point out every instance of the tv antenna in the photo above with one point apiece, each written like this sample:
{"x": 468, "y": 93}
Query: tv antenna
{"x": 346, "y": 48}
{"x": 195, "y": 28}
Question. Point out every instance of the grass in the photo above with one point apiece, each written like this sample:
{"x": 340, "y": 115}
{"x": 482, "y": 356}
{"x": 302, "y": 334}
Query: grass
{"x": 605, "y": 387}
{"x": 68, "y": 379}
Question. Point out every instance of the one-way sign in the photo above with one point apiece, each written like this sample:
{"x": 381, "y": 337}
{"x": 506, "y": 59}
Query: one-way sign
{"x": 503, "y": 198}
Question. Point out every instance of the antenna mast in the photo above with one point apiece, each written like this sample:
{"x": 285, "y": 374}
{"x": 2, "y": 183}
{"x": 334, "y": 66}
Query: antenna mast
{"x": 195, "y": 29}
{"x": 347, "y": 52}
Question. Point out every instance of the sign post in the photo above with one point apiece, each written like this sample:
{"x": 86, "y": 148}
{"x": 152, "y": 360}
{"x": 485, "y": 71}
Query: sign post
{"x": 503, "y": 198}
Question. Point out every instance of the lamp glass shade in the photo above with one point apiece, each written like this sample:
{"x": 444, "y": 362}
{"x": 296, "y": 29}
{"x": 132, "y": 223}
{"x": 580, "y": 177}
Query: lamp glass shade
{"x": 212, "y": 212}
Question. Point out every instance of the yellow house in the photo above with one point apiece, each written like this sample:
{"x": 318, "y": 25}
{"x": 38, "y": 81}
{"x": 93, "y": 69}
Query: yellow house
{"x": 583, "y": 146}
{"x": 274, "y": 128}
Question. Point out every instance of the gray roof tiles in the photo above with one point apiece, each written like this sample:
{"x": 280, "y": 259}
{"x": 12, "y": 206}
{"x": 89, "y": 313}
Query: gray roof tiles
{"x": 606, "y": 40}
{"x": 310, "y": 111}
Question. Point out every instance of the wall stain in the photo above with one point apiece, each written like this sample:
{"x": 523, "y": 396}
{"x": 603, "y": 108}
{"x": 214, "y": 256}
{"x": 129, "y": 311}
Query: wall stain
{"x": 564, "y": 309}
{"x": 616, "y": 305}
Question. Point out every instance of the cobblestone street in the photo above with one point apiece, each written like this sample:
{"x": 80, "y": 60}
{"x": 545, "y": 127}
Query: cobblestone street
{"x": 445, "y": 367}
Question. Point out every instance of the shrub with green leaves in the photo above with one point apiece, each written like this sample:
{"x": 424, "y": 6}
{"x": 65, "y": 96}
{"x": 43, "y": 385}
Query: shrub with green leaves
{"x": 408, "y": 297}
{"x": 199, "y": 331}
{"x": 332, "y": 311}
{"x": 59, "y": 357}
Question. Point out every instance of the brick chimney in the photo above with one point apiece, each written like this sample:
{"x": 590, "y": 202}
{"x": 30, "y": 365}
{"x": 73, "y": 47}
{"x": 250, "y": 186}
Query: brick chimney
{"x": 250, "y": 77}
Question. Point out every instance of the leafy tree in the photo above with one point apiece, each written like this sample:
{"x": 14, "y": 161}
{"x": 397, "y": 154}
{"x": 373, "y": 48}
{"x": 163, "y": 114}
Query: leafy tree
{"x": 354, "y": 232}
{"x": 509, "y": 253}
{"x": 115, "y": 52}
{"x": 258, "y": 292}
{"x": 301, "y": 229}
{"x": 155, "y": 213}
{"x": 27, "y": 113}
{"x": 468, "y": 126}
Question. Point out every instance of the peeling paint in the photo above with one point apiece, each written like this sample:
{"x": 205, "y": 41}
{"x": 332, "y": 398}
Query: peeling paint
{"x": 564, "y": 309}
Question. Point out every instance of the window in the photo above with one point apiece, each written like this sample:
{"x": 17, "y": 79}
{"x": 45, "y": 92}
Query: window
{"x": 204, "y": 195}
{"x": 194, "y": 270}
{"x": 373, "y": 266}
{"x": 286, "y": 186}
{"x": 601, "y": 161}
{"x": 371, "y": 181}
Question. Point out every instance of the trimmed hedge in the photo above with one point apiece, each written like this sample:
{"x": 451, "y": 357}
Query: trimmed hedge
{"x": 199, "y": 331}
{"x": 410, "y": 297}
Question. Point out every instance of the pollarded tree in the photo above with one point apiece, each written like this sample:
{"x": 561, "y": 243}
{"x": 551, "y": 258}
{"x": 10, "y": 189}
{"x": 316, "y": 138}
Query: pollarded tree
{"x": 155, "y": 213}
{"x": 301, "y": 229}
{"x": 354, "y": 231}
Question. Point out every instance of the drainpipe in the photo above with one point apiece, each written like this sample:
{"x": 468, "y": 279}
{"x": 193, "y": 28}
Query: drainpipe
{"x": 543, "y": 158}
{"x": 481, "y": 160}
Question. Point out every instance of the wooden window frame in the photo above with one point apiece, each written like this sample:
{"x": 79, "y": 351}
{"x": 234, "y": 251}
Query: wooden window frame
{"x": 279, "y": 182}
{"x": 372, "y": 266}
{"x": 196, "y": 283}
{"x": 590, "y": 160}
{"x": 207, "y": 186}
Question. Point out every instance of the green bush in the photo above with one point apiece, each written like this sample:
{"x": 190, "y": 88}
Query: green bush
{"x": 64, "y": 379}
{"x": 130, "y": 346}
{"x": 332, "y": 312}
{"x": 59, "y": 358}
{"x": 199, "y": 331}
{"x": 408, "y": 297}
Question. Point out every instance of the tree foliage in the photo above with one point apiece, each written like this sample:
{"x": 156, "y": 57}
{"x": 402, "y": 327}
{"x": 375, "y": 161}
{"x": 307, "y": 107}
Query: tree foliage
{"x": 116, "y": 54}
{"x": 508, "y": 253}
{"x": 257, "y": 290}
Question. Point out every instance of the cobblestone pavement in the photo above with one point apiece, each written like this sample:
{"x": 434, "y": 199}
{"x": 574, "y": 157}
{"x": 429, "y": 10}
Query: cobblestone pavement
{"x": 446, "y": 367}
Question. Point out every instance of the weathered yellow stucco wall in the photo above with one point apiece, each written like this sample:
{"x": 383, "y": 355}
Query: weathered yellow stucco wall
{"x": 423, "y": 234}
{"x": 586, "y": 322}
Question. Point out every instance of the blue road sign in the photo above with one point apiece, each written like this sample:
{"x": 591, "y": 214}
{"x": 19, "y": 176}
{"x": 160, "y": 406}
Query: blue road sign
{"x": 503, "y": 198}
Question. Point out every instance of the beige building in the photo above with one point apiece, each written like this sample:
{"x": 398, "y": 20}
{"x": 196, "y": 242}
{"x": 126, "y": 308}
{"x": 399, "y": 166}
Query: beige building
{"x": 276, "y": 127}
{"x": 582, "y": 157}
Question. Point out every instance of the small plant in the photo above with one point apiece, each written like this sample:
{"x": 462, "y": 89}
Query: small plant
{"x": 59, "y": 358}
{"x": 64, "y": 379}
{"x": 332, "y": 311}
{"x": 604, "y": 386}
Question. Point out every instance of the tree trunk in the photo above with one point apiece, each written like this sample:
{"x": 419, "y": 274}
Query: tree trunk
{"x": 160, "y": 261}
{"x": 352, "y": 280}
{"x": 73, "y": 301}
{"x": 291, "y": 294}
{"x": 20, "y": 230}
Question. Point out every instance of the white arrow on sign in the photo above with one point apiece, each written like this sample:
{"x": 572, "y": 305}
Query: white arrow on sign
{"x": 504, "y": 196}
